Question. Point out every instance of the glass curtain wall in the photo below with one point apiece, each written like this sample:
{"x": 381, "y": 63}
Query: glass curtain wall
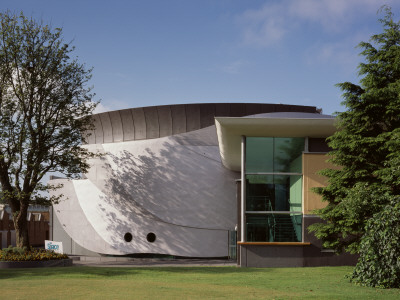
{"x": 273, "y": 173}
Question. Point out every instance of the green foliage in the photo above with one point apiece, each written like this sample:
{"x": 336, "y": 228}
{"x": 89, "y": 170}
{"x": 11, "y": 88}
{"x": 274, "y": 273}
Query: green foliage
{"x": 45, "y": 105}
{"x": 14, "y": 250}
{"x": 28, "y": 254}
{"x": 366, "y": 147}
{"x": 379, "y": 263}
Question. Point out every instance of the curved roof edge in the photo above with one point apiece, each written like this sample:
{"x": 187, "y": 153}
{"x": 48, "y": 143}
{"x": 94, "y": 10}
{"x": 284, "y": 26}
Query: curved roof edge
{"x": 291, "y": 115}
{"x": 165, "y": 120}
{"x": 230, "y": 131}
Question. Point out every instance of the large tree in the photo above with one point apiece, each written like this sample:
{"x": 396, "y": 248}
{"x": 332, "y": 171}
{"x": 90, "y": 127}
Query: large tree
{"x": 45, "y": 105}
{"x": 366, "y": 149}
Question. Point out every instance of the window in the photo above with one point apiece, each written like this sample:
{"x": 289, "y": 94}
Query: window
{"x": 274, "y": 189}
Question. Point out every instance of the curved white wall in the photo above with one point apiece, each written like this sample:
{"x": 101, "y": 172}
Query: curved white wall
{"x": 175, "y": 187}
{"x": 73, "y": 220}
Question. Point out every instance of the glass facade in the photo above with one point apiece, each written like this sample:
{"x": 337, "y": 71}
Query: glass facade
{"x": 274, "y": 227}
{"x": 274, "y": 155}
{"x": 273, "y": 192}
{"x": 273, "y": 173}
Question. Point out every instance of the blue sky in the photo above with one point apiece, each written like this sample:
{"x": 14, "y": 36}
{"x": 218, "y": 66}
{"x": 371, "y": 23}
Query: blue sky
{"x": 158, "y": 52}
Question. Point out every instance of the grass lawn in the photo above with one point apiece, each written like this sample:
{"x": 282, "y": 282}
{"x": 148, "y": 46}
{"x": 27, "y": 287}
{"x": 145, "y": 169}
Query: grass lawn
{"x": 184, "y": 283}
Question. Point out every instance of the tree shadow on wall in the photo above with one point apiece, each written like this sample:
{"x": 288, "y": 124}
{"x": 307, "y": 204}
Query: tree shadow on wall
{"x": 172, "y": 185}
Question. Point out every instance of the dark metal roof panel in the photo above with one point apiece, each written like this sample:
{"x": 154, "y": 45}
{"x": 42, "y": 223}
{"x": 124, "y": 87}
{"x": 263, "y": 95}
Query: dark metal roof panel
{"x": 127, "y": 124}
{"x": 152, "y": 127}
{"x": 159, "y": 121}
{"x": 139, "y": 121}
{"x": 165, "y": 120}
{"x": 178, "y": 119}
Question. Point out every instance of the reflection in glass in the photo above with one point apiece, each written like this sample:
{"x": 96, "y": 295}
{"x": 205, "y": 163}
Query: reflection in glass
{"x": 287, "y": 154}
{"x": 268, "y": 194}
{"x": 274, "y": 228}
{"x": 259, "y": 154}
{"x": 273, "y": 192}
{"x": 274, "y": 155}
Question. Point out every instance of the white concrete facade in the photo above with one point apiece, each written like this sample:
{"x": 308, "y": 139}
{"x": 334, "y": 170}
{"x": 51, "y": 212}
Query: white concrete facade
{"x": 160, "y": 173}
{"x": 178, "y": 192}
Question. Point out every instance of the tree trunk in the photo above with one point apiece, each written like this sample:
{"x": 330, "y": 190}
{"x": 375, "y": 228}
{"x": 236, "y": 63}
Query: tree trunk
{"x": 21, "y": 226}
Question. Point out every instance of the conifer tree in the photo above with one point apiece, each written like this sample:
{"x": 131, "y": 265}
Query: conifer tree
{"x": 365, "y": 146}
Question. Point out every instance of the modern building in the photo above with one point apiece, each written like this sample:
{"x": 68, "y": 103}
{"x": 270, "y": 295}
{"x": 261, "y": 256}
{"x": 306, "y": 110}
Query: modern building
{"x": 201, "y": 180}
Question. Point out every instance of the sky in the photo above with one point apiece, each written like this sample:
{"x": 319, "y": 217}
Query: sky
{"x": 159, "y": 52}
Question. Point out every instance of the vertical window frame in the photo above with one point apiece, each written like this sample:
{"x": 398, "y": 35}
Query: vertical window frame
{"x": 267, "y": 213}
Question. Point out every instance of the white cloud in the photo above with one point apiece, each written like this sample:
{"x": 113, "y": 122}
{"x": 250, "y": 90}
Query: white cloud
{"x": 342, "y": 53}
{"x": 110, "y": 105}
{"x": 101, "y": 108}
{"x": 332, "y": 15}
{"x": 263, "y": 27}
{"x": 333, "y": 53}
{"x": 270, "y": 23}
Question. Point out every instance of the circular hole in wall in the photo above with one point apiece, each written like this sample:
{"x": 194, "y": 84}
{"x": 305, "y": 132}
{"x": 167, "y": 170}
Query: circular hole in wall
{"x": 151, "y": 237}
{"x": 128, "y": 237}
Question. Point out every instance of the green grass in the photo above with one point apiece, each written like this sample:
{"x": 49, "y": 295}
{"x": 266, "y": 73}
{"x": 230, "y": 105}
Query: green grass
{"x": 184, "y": 283}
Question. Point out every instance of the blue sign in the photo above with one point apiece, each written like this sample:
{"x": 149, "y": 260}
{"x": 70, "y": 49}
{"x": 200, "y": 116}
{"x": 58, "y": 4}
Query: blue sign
{"x": 53, "y": 246}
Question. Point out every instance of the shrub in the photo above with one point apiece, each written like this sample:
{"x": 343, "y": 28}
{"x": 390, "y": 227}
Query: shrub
{"x": 31, "y": 254}
{"x": 379, "y": 263}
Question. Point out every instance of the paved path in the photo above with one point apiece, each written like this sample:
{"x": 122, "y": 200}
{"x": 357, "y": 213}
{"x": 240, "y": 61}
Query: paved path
{"x": 148, "y": 262}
